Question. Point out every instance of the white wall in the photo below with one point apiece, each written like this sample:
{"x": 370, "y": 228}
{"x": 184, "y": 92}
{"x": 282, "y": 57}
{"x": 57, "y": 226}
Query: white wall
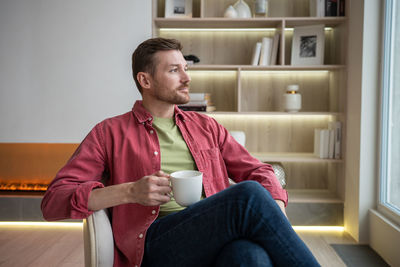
{"x": 363, "y": 115}
{"x": 66, "y": 65}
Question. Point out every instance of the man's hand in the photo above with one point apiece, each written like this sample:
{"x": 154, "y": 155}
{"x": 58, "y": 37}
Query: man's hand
{"x": 151, "y": 190}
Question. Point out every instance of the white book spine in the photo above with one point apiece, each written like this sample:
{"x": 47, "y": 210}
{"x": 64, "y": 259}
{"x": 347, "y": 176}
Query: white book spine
{"x": 265, "y": 56}
{"x": 274, "y": 50}
{"x": 324, "y": 144}
{"x": 256, "y": 54}
{"x": 320, "y": 8}
{"x": 331, "y": 150}
{"x": 317, "y": 135}
{"x": 197, "y": 96}
{"x": 338, "y": 139}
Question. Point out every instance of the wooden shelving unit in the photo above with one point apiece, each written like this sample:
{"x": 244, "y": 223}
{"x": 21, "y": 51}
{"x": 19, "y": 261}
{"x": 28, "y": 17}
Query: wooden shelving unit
{"x": 248, "y": 98}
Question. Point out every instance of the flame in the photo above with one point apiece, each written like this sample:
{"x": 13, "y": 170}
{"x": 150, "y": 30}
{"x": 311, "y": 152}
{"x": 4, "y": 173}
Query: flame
{"x": 15, "y": 186}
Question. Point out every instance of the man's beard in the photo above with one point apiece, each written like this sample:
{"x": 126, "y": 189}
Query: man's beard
{"x": 173, "y": 97}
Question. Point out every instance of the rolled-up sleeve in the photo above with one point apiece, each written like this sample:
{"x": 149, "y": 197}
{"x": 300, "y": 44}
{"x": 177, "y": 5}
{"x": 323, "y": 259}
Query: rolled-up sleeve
{"x": 68, "y": 194}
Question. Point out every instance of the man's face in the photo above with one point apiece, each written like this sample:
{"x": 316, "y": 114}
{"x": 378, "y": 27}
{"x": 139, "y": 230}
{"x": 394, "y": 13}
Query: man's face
{"x": 170, "y": 80}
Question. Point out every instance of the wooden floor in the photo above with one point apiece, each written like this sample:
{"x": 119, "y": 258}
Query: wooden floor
{"x": 60, "y": 246}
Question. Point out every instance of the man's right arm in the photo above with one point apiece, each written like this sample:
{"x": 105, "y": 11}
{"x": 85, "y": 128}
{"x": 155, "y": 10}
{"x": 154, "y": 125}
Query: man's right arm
{"x": 151, "y": 190}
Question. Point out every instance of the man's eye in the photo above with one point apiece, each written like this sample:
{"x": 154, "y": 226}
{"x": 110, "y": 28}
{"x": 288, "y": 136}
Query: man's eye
{"x": 174, "y": 70}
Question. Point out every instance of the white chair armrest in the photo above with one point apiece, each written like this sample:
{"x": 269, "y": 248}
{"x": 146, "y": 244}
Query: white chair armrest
{"x": 98, "y": 240}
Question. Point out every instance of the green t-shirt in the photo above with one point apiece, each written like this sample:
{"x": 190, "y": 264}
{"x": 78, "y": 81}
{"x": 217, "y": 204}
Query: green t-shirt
{"x": 175, "y": 155}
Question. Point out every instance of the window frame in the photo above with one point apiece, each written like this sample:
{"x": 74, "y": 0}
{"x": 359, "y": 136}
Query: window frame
{"x": 384, "y": 206}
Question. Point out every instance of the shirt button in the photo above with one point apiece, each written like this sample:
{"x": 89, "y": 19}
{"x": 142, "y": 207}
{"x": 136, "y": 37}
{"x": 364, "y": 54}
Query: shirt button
{"x": 136, "y": 266}
{"x": 149, "y": 119}
{"x": 151, "y": 131}
{"x": 141, "y": 236}
{"x": 153, "y": 212}
{"x": 155, "y": 153}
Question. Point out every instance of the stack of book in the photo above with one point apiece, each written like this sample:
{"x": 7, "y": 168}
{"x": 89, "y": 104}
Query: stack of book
{"x": 327, "y": 142}
{"x": 327, "y": 8}
{"x": 265, "y": 53}
{"x": 198, "y": 102}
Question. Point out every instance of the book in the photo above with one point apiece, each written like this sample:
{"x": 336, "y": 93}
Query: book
{"x": 274, "y": 50}
{"x": 317, "y": 8}
{"x": 336, "y": 127}
{"x": 256, "y": 54}
{"x": 341, "y": 8}
{"x": 331, "y": 8}
{"x": 193, "y": 108}
{"x": 331, "y": 144}
{"x": 338, "y": 139}
{"x": 265, "y": 55}
{"x": 321, "y": 143}
{"x": 196, "y": 103}
{"x": 199, "y": 96}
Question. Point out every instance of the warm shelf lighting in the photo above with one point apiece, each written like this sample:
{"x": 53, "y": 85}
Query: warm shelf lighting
{"x": 326, "y": 29}
{"x": 290, "y": 72}
{"x": 226, "y": 29}
{"x": 216, "y": 29}
{"x": 319, "y": 228}
{"x": 43, "y": 224}
{"x": 278, "y": 116}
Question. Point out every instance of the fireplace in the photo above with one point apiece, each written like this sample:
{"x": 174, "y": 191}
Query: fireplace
{"x": 30, "y": 167}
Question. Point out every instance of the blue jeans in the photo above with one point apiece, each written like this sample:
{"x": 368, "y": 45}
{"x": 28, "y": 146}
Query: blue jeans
{"x": 239, "y": 226}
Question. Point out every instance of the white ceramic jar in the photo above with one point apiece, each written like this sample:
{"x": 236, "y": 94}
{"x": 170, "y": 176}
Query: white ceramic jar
{"x": 292, "y": 99}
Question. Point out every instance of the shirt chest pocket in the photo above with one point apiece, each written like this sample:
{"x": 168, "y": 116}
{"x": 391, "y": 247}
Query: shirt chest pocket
{"x": 210, "y": 154}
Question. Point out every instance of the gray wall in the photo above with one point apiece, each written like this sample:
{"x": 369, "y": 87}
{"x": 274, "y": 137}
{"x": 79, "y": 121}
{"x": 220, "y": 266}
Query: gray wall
{"x": 65, "y": 65}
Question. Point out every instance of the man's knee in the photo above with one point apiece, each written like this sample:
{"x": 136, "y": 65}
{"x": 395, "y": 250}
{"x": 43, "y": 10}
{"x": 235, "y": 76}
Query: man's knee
{"x": 251, "y": 189}
{"x": 243, "y": 252}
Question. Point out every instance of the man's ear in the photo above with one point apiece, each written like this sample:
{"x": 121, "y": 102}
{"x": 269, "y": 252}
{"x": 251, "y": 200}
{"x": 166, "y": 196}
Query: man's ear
{"x": 144, "y": 79}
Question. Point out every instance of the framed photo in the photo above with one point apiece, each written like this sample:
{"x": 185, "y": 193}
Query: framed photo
{"x": 308, "y": 45}
{"x": 178, "y": 8}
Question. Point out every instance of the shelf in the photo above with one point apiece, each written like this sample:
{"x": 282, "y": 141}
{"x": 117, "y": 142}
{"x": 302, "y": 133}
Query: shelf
{"x": 221, "y": 23}
{"x": 291, "y": 157}
{"x": 272, "y": 113}
{"x": 312, "y": 196}
{"x": 266, "y": 68}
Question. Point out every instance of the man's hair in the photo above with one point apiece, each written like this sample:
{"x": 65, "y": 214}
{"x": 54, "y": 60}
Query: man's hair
{"x": 143, "y": 59}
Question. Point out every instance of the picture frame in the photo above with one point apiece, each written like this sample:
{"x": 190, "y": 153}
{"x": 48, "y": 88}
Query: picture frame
{"x": 308, "y": 45}
{"x": 178, "y": 8}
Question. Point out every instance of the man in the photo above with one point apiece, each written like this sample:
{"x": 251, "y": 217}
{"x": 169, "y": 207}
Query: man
{"x": 243, "y": 225}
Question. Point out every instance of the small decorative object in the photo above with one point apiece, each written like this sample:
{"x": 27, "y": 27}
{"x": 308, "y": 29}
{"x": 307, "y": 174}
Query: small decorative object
{"x": 230, "y": 12}
{"x": 308, "y": 45}
{"x": 191, "y": 59}
{"x": 178, "y": 8}
{"x": 242, "y": 9}
{"x": 279, "y": 172}
{"x": 260, "y": 8}
{"x": 292, "y": 99}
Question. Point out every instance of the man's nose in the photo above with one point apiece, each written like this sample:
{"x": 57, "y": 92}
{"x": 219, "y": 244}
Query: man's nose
{"x": 185, "y": 77}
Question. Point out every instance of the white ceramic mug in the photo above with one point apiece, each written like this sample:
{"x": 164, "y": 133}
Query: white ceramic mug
{"x": 187, "y": 186}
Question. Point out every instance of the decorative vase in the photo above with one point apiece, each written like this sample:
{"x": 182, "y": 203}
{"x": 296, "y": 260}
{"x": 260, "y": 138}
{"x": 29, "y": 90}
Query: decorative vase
{"x": 292, "y": 99}
{"x": 230, "y": 12}
{"x": 242, "y": 9}
{"x": 260, "y": 8}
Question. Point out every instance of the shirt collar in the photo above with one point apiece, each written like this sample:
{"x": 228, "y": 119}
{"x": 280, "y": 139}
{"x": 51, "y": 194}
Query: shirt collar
{"x": 142, "y": 115}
